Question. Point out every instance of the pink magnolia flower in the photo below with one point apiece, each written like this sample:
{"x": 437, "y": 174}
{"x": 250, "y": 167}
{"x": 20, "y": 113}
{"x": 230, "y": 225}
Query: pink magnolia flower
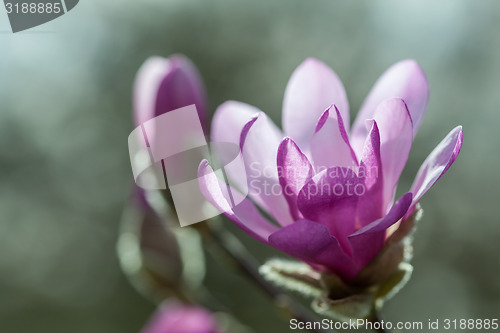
{"x": 175, "y": 318}
{"x": 330, "y": 188}
{"x": 165, "y": 91}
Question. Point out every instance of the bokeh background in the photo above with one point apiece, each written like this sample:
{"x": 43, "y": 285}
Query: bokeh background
{"x": 65, "y": 114}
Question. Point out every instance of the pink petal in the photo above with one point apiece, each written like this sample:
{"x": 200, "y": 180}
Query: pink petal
{"x": 396, "y": 136}
{"x": 294, "y": 170}
{"x": 172, "y": 317}
{"x": 437, "y": 163}
{"x": 244, "y": 214}
{"x": 370, "y": 172}
{"x": 229, "y": 119}
{"x": 259, "y": 143}
{"x": 330, "y": 199}
{"x": 312, "y": 88}
{"x": 404, "y": 80}
{"x": 368, "y": 241}
{"x": 330, "y": 143}
{"x": 227, "y": 124}
{"x": 312, "y": 243}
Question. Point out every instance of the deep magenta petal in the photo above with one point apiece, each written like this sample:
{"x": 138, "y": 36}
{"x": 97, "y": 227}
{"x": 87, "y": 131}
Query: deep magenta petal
{"x": 330, "y": 199}
{"x": 368, "y": 241}
{"x": 370, "y": 204}
{"x": 312, "y": 243}
{"x": 294, "y": 170}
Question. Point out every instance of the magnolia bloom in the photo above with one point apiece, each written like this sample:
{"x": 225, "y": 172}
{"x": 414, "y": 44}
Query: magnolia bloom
{"x": 330, "y": 188}
{"x": 174, "y": 318}
{"x": 170, "y": 112}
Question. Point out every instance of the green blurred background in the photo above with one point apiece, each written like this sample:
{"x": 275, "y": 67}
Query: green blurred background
{"x": 65, "y": 114}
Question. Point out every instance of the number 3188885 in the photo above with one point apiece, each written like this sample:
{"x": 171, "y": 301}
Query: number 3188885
{"x": 33, "y": 8}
